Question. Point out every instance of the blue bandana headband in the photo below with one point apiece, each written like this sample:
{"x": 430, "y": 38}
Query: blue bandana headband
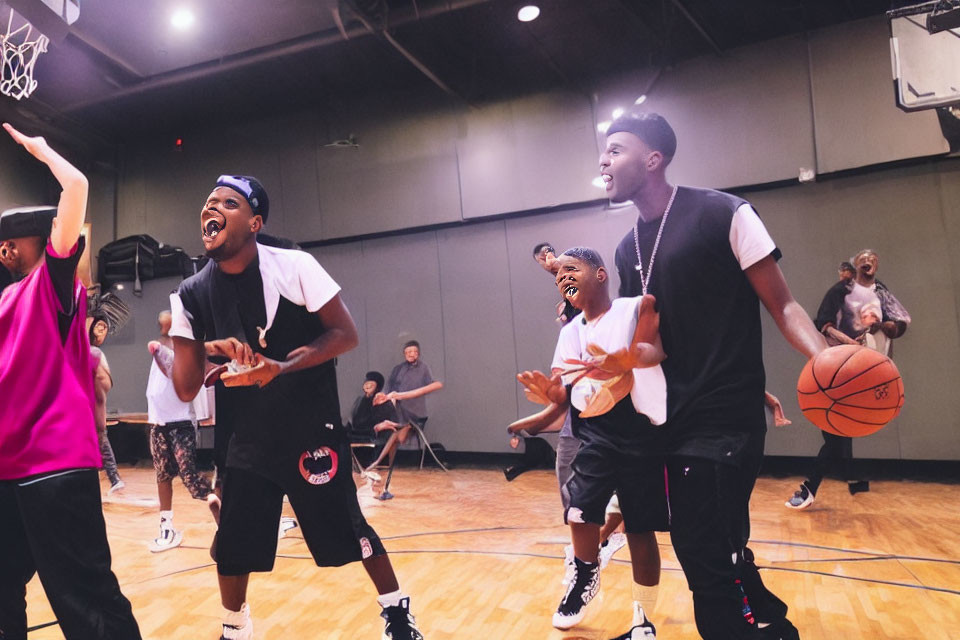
{"x": 251, "y": 189}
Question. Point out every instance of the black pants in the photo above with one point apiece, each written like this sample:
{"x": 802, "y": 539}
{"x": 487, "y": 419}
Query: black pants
{"x": 709, "y": 528}
{"x": 836, "y": 452}
{"x": 54, "y": 527}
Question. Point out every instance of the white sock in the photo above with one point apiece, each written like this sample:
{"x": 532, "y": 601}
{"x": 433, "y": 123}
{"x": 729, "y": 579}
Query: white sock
{"x": 166, "y": 518}
{"x": 646, "y": 597}
{"x": 237, "y": 619}
{"x": 391, "y": 599}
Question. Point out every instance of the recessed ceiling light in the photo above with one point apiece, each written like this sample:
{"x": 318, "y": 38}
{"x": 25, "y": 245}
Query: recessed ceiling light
{"x": 641, "y": 99}
{"x": 528, "y": 13}
{"x": 182, "y": 19}
{"x": 603, "y": 126}
{"x": 617, "y": 112}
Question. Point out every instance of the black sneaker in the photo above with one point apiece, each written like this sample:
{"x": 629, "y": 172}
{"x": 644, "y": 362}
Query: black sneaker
{"x": 584, "y": 585}
{"x": 858, "y": 486}
{"x": 645, "y": 631}
{"x": 400, "y": 624}
{"x": 782, "y": 629}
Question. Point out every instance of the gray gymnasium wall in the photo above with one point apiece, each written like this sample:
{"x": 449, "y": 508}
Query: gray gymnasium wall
{"x": 473, "y": 296}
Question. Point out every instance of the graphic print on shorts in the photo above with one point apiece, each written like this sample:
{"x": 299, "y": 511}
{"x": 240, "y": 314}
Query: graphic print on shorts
{"x": 318, "y": 466}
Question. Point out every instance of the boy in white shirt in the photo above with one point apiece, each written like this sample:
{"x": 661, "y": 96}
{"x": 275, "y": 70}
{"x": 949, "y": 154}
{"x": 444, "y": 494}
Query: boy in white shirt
{"x": 606, "y": 369}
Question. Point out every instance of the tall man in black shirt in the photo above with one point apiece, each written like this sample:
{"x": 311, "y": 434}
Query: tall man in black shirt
{"x": 278, "y": 317}
{"x": 696, "y": 249}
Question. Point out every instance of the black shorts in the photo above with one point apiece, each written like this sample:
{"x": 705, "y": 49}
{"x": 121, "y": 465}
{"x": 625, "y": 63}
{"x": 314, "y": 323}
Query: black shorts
{"x": 639, "y": 481}
{"x": 324, "y": 498}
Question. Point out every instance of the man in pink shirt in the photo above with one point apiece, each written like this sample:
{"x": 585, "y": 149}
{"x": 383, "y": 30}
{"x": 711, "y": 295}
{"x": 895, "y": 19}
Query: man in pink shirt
{"x": 52, "y": 519}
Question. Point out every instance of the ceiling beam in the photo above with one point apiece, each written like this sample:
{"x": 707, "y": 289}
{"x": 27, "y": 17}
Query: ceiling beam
{"x": 272, "y": 52}
{"x": 696, "y": 25}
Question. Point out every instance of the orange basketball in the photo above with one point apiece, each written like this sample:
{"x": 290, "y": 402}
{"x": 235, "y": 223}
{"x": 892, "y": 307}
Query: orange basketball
{"x": 850, "y": 390}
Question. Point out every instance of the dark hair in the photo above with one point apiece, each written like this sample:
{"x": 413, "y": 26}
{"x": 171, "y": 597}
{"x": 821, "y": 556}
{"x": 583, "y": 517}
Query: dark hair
{"x": 538, "y": 248}
{"x": 587, "y": 255}
{"x": 652, "y": 128}
{"x": 411, "y": 343}
{"x": 846, "y": 266}
{"x": 375, "y": 376}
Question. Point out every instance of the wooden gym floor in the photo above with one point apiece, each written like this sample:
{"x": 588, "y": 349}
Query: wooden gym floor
{"x": 481, "y": 559}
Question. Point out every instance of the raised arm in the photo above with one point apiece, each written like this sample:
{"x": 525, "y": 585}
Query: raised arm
{"x": 72, "y": 208}
{"x": 771, "y": 287}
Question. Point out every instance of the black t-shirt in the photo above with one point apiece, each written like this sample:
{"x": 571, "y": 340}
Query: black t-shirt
{"x": 63, "y": 274}
{"x": 297, "y": 411}
{"x": 709, "y": 323}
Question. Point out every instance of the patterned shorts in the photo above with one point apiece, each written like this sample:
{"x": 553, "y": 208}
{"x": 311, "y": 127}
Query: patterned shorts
{"x": 174, "y": 450}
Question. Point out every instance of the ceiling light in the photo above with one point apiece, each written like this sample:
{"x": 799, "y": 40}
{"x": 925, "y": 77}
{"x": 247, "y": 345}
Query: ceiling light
{"x": 617, "y": 112}
{"x": 599, "y": 183}
{"x": 528, "y": 13}
{"x": 182, "y": 19}
{"x": 641, "y": 99}
{"x": 603, "y": 126}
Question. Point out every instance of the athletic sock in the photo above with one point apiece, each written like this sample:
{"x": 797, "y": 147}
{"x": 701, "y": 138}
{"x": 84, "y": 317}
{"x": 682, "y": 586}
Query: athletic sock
{"x": 391, "y": 599}
{"x": 166, "y": 518}
{"x": 646, "y": 597}
{"x": 238, "y": 619}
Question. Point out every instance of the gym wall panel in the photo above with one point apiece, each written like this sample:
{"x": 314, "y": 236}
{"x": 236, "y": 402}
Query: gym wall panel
{"x": 345, "y": 264}
{"x": 857, "y": 120}
{"x": 528, "y": 153}
{"x": 403, "y": 302}
{"x": 898, "y": 214}
{"x": 402, "y": 175}
{"x": 479, "y": 350}
{"x": 24, "y": 182}
{"x": 740, "y": 119}
{"x": 100, "y": 211}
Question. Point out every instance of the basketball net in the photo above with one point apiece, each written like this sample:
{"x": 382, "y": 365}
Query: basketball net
{"x": 20, "y": 54}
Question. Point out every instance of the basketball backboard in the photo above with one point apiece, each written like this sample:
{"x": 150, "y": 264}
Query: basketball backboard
{"x": 926, "y": 66}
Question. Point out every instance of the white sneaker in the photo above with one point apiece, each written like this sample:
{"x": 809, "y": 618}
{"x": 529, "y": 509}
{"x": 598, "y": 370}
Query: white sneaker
{"x": 568, "y": 566}
{"x": 615, "y": 542}
{"x": 116, "y": 487}
{"x": 237, "y": 625}
{"x": 801, "y": 499}
{"x": 168, "y": 539}
{"x": 286, "y": 524}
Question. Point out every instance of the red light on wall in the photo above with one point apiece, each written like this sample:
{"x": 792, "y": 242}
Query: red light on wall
{"x": 179, "y": 143}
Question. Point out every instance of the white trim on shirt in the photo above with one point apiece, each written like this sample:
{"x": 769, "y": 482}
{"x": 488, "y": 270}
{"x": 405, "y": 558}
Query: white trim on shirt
{"x": 749, "y": 238}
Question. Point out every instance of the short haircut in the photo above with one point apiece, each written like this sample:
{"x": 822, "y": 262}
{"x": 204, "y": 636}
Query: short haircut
{"x": 846, "y": 266}
{"x": 411, "y": 343}
{"x": 652, "y": 128}
{"x": 863, "y": 251}
{"x": 587, "y": 255}
{"x": 538, "y": 248}
{"x": 375, "y": 377}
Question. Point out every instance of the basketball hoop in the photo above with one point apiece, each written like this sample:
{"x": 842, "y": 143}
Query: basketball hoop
{"x": 21, "y": 47}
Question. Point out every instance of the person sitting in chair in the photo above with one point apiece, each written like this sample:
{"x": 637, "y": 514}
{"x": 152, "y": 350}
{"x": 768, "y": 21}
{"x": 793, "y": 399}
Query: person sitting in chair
{"x": 409, "y": 383}
{"x": 371, "y": 423}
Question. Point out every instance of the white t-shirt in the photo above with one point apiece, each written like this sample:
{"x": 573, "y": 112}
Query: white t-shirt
{"x": 163, "y": 404}
{"x": 853, "y": 304}
{"x": 612, "y": 331}
{"x": 749, "y": 238}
